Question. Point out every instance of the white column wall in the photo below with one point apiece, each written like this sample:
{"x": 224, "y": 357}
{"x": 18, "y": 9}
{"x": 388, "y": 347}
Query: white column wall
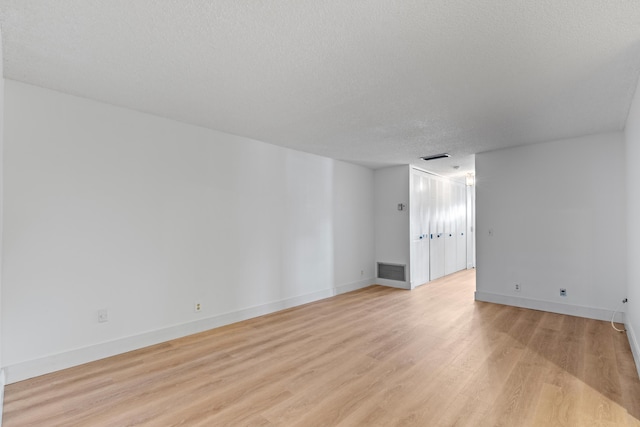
{"x": 632, "y": 155}
{"x": 392, "y": 227}
{"x": 110, "y": 208}
{"x": 552, "y": 216}
{"x": 353, "y": 227}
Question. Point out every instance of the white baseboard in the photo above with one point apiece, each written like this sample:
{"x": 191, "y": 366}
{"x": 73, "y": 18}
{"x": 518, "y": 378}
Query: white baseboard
{"x": 2, "y": 383}
{"x": 393, "y": 283}
{"x": 551, "y": 306}
{"x": 33, "y": 368}
{"x": 633, "y": 343}
{"x": 354, "y": 286}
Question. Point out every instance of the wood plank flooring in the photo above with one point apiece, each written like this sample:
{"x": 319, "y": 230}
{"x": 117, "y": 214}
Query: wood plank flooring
{"x": 375, "y": 357}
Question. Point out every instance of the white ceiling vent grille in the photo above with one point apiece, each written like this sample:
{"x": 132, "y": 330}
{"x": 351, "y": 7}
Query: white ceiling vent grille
{"x": 391, "y": 271}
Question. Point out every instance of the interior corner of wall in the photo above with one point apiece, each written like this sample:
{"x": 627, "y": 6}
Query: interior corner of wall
{"x": 633, "y": 343}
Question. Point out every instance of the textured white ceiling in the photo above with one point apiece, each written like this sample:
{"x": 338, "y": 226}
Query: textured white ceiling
{"x": 375, "y": 82}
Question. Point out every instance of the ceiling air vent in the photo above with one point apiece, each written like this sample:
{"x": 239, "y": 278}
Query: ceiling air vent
{"x": 391, "y": 271}
{"x": 437, "y": 156}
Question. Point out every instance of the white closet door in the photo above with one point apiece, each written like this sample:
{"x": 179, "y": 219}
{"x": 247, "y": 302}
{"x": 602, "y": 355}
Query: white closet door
{"x": 461, "y": 228}
{"x": 426, "y": 213}
{"x": 436, "y": 235}
{"x": 450, "y": 239}
{"x": 419, "y": 230}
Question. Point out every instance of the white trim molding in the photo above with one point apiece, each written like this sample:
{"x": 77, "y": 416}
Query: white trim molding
{"x": 3, "y": 380}
{"x": 55, "y": 362}
{"x": 393, "y": 283}
{"x": 550, "y": 306}
{"x": 353, "y": 286}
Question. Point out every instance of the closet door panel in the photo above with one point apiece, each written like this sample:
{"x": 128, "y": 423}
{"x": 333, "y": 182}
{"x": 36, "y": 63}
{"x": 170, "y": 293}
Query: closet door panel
{"x": 425, "y": 219}
{"x": 450, "y": 252}
{"x": 419, "y": 228}
{"x": 436, "y": 233}
{"x": 461, "y": 228}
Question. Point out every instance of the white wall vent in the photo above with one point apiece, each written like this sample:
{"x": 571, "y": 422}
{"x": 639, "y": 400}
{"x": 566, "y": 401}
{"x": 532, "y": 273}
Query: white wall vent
{"x": 391, "y": 271}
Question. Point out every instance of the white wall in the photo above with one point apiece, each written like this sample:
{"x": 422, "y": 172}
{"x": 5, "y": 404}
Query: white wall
{"x": 391, "y": 225}
{"x": 353, "y": 226}
{"x": 2, "y": 374}
{"x": 632, "y": 155}
{"x": 110, "y": 208}
{"x": 557, "y": 215}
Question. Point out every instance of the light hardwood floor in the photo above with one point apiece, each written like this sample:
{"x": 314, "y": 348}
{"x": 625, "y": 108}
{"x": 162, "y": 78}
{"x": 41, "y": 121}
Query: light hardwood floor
{"x": 374, "y": 357}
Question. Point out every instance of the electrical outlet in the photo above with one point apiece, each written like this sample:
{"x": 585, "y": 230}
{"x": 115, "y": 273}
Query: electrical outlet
{"x": 103, "y": 315}
{"x": 361, "y": 272}
{"x": 563, "y": 292}
{"x": 517, "y": 287}
{"x": 197, "y": 307}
